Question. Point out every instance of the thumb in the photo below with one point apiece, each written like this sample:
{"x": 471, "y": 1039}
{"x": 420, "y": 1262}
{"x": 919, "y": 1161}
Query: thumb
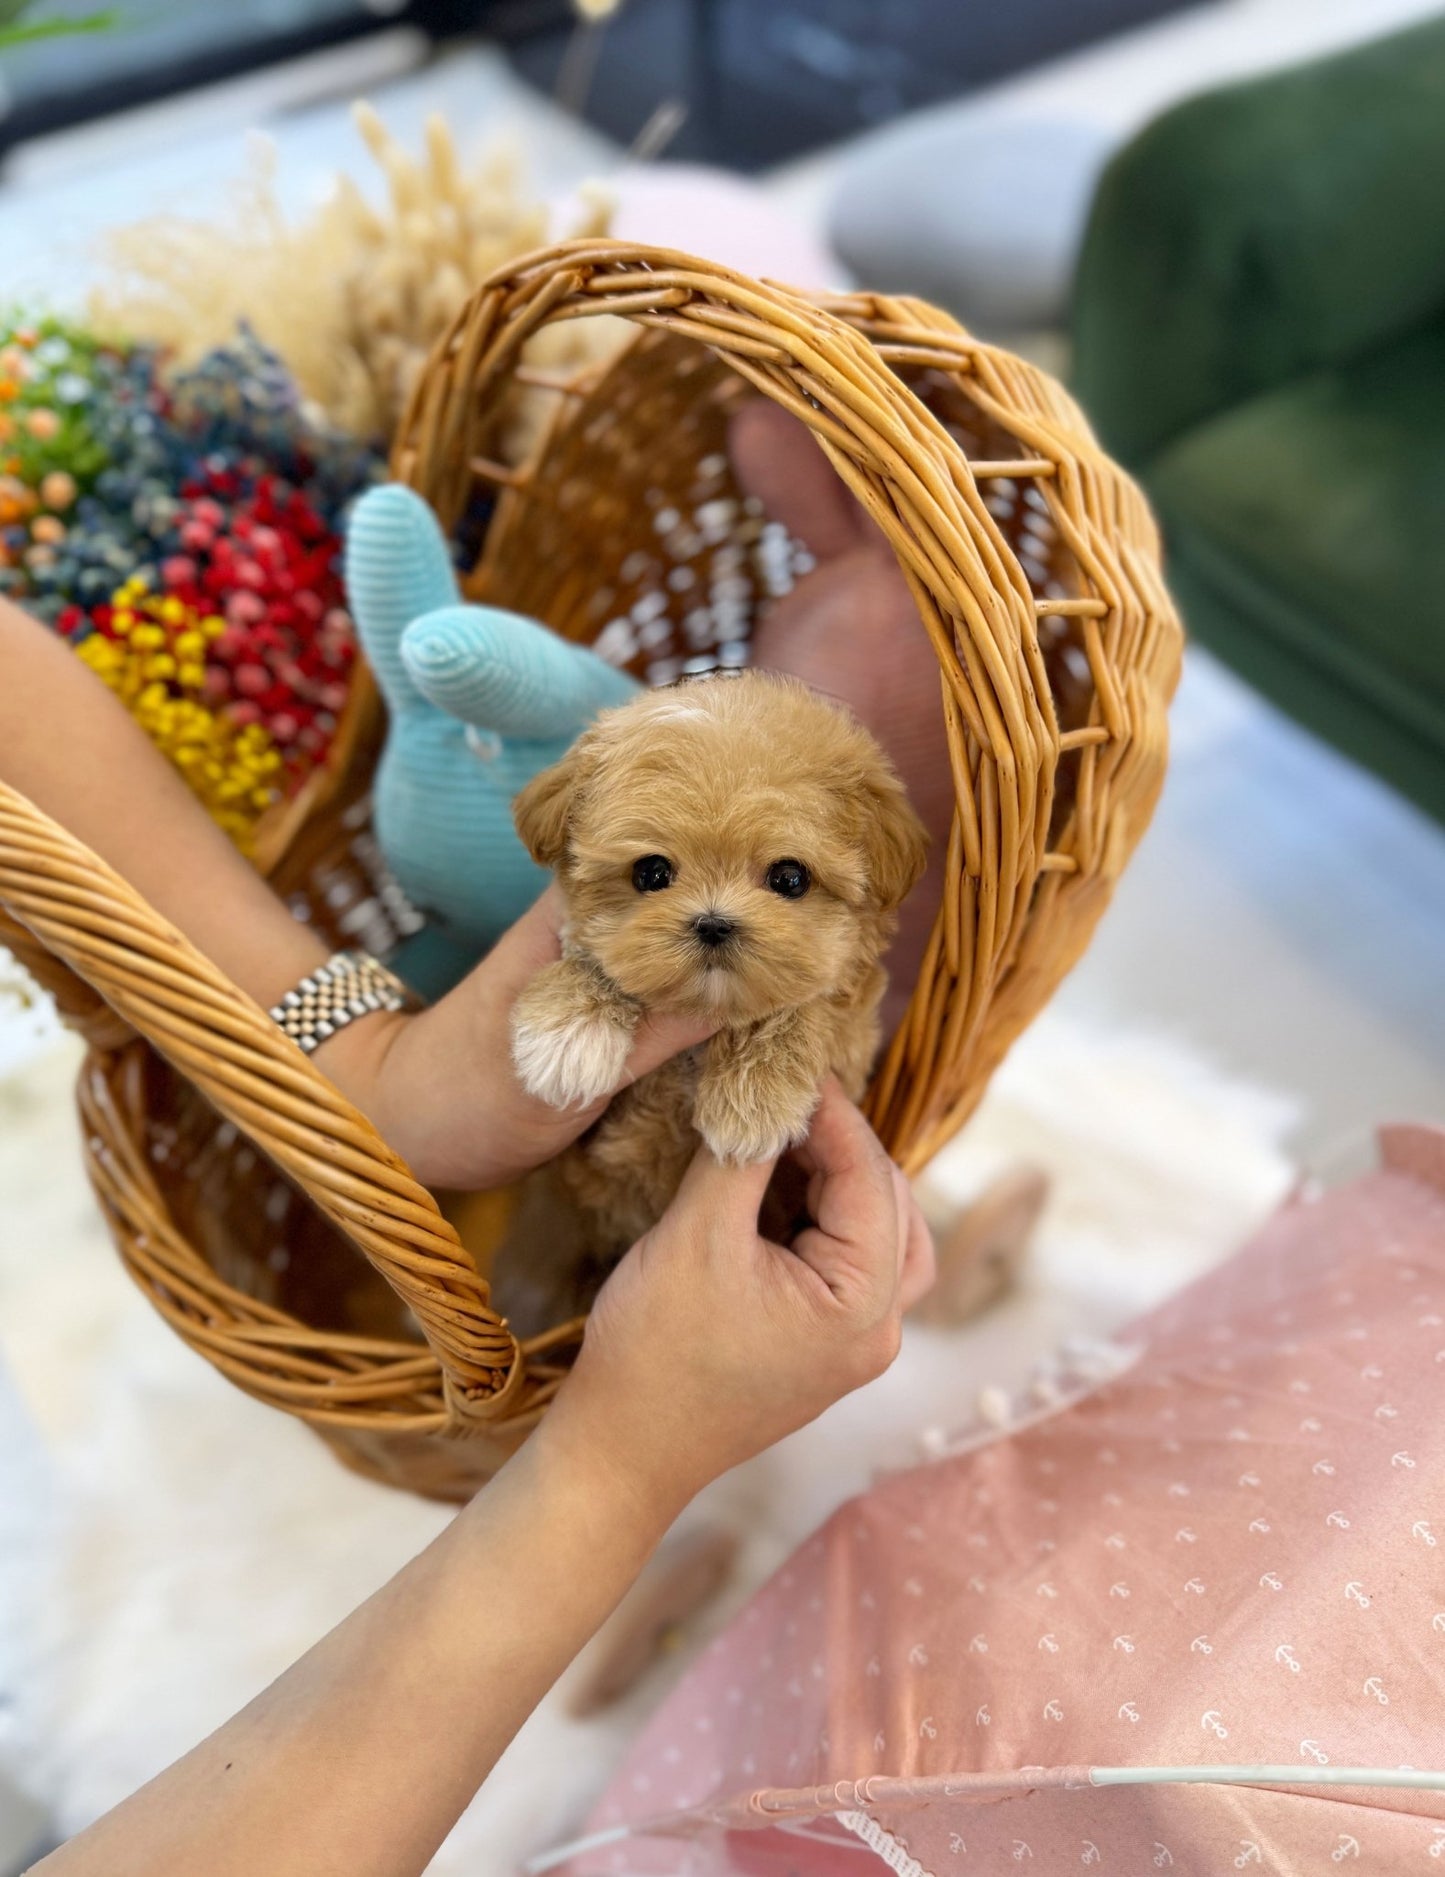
{"x": 861, "y": 1216}
{"x": 507, "y": 674}
{"x": 397, "y": 565}
{"x": 777, "y": 459}
{"x": 713, "y": 1193}
{"x": 658, "y": 1039}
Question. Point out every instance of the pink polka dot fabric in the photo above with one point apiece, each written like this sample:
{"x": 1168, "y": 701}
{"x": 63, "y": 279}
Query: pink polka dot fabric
{"x": 1232, "y": 1554}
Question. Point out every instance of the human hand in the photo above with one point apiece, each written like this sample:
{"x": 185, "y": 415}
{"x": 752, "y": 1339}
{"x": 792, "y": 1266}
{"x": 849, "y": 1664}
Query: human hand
{"x": 709, "y": 1343}
{"x": 440, "y": 1085}
{"x": 850, "y": 629}
{"x": 479, "y": 701}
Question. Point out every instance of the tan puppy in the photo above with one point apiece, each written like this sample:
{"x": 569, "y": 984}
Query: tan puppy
{"x": 733, "y": 847}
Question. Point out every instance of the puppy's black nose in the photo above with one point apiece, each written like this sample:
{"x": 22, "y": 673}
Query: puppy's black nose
{"x": 713, "y": 928}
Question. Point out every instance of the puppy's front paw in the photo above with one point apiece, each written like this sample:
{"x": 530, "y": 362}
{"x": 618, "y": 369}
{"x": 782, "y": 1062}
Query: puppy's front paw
{"x": 740, "y": 1128}
{"x": 570, "y": 1060}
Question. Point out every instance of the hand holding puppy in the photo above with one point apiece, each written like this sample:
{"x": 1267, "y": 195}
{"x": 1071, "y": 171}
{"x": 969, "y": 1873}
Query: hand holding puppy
{"x": 439, "y": 1084}
{"x": 708, "y": 1342}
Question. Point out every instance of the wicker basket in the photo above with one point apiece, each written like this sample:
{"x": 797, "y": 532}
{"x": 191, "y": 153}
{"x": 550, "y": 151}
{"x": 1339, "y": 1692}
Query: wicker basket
{"x": 264, "y": 1218}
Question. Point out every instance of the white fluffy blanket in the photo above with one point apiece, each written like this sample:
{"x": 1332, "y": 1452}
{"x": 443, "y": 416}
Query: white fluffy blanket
{"x": 167, "y": 1546}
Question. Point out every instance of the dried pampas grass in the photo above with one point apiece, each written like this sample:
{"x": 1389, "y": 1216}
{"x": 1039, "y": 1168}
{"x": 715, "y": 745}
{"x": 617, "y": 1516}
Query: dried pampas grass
{"x": 352, "y": 298}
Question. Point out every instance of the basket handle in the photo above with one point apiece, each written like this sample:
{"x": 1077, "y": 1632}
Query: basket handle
{"x": 85, "y": 914}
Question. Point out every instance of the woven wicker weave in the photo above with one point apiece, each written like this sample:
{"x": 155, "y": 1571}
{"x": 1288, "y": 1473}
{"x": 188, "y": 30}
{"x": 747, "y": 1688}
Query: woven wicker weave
{"x": 1035, "y": 567}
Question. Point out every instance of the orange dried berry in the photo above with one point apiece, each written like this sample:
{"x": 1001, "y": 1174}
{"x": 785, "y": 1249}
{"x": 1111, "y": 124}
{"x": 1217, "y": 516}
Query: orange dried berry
{"x": 57, "y": 489}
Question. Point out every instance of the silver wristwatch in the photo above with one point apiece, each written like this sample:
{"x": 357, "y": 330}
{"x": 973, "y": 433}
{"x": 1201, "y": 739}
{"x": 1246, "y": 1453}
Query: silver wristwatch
{"x": 349, "y": 985}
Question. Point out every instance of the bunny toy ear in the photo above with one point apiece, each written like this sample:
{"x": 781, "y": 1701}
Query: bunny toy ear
{"x": 504, "y": 673}
{"x": 397, "y": 566}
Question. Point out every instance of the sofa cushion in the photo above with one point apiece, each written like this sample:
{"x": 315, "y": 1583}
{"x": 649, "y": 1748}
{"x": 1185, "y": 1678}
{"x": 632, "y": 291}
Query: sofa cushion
{"x": 1330, "y": 494}
{"x": 1261, "y": 232}
{"x": 979, "y": 204}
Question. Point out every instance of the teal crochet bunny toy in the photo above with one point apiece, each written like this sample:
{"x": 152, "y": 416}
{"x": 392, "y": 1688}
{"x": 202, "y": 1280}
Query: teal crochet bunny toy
{"x": 479, "y": 701}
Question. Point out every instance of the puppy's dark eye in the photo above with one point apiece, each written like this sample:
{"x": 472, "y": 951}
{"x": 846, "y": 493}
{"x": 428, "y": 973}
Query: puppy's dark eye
{"x": 652, "y": 873}
{"x": 789, "y": 878}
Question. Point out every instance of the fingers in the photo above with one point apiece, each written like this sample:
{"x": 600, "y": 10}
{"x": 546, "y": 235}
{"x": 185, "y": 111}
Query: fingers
{"x": 723, "y": 1198}
{"x": 524, "y": 949}
{"x": 505, "y": 673}
{"x": 902, "y": 1199}
{"x": 397, "y": 565}
{"x": 778, "y": 461}
{"x": 920, "y": 1266}
{"x": 839, "y": 1146}
{"x": 660, "y": 1038}
{"x": 854, "y": 1244}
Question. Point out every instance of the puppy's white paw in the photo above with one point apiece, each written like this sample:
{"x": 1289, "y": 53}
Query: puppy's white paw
{"x": 569, "y": 1061}
{"x": 741, "y": 1137}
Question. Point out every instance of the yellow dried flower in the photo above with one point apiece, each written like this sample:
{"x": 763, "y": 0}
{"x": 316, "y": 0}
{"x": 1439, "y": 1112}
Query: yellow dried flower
{"x": 235, "y": 770}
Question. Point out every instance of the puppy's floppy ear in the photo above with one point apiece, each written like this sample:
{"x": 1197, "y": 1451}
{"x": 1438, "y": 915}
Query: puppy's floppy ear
{"x": 543, "y": 809}
{"x": 894, "y": 841}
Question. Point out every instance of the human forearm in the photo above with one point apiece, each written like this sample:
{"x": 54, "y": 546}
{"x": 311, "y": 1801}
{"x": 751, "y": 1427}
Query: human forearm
{"x": 68, "y": 745}
{"x": 361, "y": 1757}
{"x": 707, "y": 1344}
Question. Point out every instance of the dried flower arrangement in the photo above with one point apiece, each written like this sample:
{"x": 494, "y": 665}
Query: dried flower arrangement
{"x": 351, "y": 298}
{"x": 174, "y": 472}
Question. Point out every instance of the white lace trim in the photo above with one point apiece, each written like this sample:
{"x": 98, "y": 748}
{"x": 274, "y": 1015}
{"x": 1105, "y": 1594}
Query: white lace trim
{"x": 883, "y": 1842}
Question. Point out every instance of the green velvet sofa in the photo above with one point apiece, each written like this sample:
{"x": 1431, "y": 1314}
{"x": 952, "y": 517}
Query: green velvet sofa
{"x": 1259, "y": 329}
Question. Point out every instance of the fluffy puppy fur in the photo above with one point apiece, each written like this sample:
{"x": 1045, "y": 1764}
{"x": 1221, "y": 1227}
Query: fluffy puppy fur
{"x": 735, "y": 848}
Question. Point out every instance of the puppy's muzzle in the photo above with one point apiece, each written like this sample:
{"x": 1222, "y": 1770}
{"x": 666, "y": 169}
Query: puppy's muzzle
{"x": 714, "y": 929}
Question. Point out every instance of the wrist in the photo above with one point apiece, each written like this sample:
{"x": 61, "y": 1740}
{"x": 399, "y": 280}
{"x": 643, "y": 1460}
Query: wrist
{"x": 355, "y": 1059}
{"x": 645, "y": 1474}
